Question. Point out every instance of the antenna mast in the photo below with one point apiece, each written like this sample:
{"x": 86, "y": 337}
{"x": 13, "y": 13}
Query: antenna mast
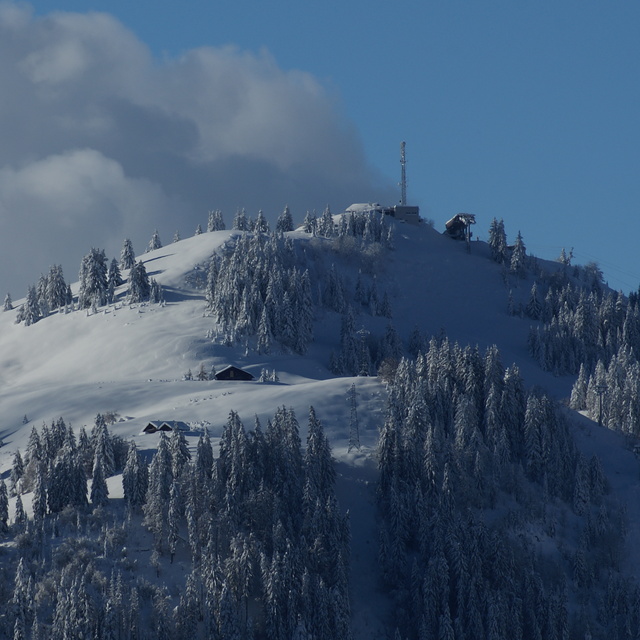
{"x": 403, "y": 176}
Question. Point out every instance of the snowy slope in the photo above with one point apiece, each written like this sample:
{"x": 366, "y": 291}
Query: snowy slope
{"x": 131, "y": 359}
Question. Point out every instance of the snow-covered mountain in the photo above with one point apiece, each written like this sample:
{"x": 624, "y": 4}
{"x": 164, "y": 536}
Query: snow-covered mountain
{"x": 130, "y": 360}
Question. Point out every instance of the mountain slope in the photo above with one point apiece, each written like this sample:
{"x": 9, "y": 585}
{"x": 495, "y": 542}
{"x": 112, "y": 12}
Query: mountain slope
{"x": 131, "y": 359}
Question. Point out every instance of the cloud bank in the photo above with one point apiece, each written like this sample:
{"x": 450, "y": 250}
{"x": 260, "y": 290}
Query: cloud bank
{"x": 100, "y": 141}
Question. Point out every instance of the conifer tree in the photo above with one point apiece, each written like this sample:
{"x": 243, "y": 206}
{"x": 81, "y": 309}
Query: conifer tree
{"x": 156, "y": 292}
{"x": 93, "y": 279}
{"x": 173, "y": 519}
{"x": 19, "y": 517}
{"x": 155, "y": 242}
{"x": 498, "y": 241}
{"x": 4, "y": 507}
{"x": 284, "y": 222}
{"x": 348, "y": 345}
{"x": 240, "y": 222}
{"x": 56, "y": 288}
{"x": 17, "y": 471}
{"x": 326, "y": 228}
{"x": 310, "y": 223}
{"x": 534, "y": 306}
{"x": 103, "y": 447}
{"x": 127, "y": 255}
{"x": 8, "y": 303}
{"x": 39, "y": 503}
{"x": 139, "y": 285}
{"x": 114, "y": 277}
{"x": 212, "y": 279}
{"x": 179, "y": 450}
{"x": 99, "y": 489}
{"x": 261, "y": 224}
{"x": 265, "y": 338}
{"x": 517, "y": 265}
{"x": 31, "y": 311}
{"x": 134, "y": 478}
{"x": 158, "y": 491}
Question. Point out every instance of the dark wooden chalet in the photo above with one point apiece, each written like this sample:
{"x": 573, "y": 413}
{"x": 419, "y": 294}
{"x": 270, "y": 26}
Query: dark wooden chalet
{"x": 165, "y": 425}
{"x": 233, "y": 373}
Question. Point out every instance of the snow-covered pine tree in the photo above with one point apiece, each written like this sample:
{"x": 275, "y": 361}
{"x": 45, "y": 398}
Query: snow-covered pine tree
{"x": 114, "y": 276}
{"x": 127, "y": 255}
{"x": 333, "y": 296}
{"x": 39, "y": 502}
{"x": 240, "y": 222}
{"x": 56, "y": 288}
{"x": 179, "y": 450}
{"x": 518, "y": 264}
{"x": 99, "y": 489}
{"x": 216, "y": 221}
{"x": 156, "y": 292}
{"x": 4, "y": 507}
{"x": 19, "y": 516}
{"x": 310, "y": 223}
{"x": 348, "y": 345}
{"x": 31, "y": 312}
{"x": 498, "y": 241}
{"x": 534, "y": 306}
{"x": 326, "y": 228}
{"x": 265, "y": 338}
{"x": 261, "y": 224}
{"x": 158, "y": 492}
{"x": 134, "y": 478}
{"x": 17, "y": 471}
{"x": 285, "y": 221}
{"x": 155, "y": 242}
{"x": 41, "y": 293}
{"x": 139, "y": 285}
{"x": 174, "y": 515}
{"x": 93, "y": 279}
{"x": 8, "y": 303}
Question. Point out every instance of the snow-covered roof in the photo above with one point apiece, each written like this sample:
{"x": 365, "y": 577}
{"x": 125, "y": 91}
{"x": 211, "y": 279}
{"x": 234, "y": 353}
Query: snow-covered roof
{"x": 364, "y": 207}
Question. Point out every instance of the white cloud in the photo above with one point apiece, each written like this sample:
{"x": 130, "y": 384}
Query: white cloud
{"x": 101, "y": 142}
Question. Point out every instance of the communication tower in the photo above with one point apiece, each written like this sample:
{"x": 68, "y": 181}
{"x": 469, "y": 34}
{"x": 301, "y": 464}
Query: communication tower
{"x": 403, "y": 175}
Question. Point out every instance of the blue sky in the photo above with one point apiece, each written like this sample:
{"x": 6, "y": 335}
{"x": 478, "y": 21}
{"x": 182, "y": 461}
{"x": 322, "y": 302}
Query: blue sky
{"x": 522, "y": 111}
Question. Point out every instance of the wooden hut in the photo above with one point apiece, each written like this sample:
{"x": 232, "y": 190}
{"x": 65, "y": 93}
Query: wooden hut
{"x": 233, "y": 373}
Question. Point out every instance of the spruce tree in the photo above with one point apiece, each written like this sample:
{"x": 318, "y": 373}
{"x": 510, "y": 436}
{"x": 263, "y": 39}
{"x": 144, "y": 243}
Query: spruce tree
{"x": 240, "y": 222}
{"x": 93, "y": 279}
{"x": 139, "y": 285}
{"x": 179, "y": 450}
{"x": 261, "y": 224}
{"x": 517, "y": 265}
{"x": 134, "y": 478}
{"x": 498, "y": 241}
{"x": 127, "y": 255}
{"x": 284, "y": 222}
{"x": 17, "y": 471}
{"x": 158, "y": 492}
{"x": 173, "y": 518}
{"x": 99, "y": 489}
{"x": 31, "y": 311}
{"x": 155, "y": 242}
{"x": 4, "y": 507}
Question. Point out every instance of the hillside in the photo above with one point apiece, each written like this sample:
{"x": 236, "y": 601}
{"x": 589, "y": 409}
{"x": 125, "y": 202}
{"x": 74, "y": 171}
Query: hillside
{"x": 130, "y": 359}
